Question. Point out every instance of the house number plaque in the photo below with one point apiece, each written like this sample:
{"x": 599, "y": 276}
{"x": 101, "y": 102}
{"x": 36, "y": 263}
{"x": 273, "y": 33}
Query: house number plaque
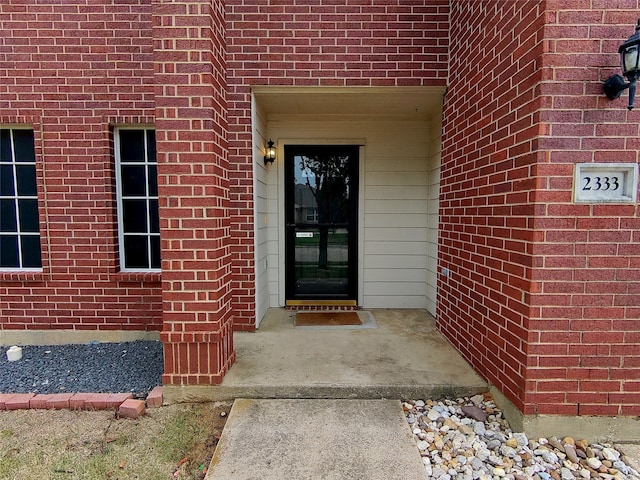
{"x": 605, "y": 182}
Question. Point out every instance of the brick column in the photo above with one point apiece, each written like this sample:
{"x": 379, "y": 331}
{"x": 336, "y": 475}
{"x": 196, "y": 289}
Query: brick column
{"x": 191, "y": 132}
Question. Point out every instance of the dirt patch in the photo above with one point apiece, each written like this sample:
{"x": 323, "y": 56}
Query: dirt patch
{"x": 174, "y": 441}
{"x": 198, "y": 457}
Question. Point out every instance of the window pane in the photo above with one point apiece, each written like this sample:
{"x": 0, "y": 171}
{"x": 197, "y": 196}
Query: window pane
{"x": 26, "y": 175}
{"x": 153, "y": 181}
{"x": 31, "y": 257}
{"x": 6, "y": 180}
{"x": 28, "y": 213}
{"x": 138, "y": 178}
{"x": 151, "y": 145}
{"x": 134, "y": 216}
{"x": 155, "y": 252}
{"x": 24, "y": 146}
{"x": 133, "y": 180}
{"x": 5, "y": 146}
{"x": 136, "y": 254}
{"x": 18, "y": 215}
{"x": 9, "y": 251}
{"x": 154, "y": 218}
{"x": 8, "y": 219}
{"x": 131, "y": 145}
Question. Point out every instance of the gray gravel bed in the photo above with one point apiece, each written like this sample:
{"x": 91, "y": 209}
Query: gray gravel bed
{"x": 134, "y": 367}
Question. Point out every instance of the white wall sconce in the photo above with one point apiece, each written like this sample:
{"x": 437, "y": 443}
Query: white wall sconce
{"x": 629, "y": 61}
{"x": 270, "y": 152}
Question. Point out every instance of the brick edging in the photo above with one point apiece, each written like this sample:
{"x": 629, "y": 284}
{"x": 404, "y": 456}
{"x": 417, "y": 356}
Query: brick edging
{"x": 126, "y": 405}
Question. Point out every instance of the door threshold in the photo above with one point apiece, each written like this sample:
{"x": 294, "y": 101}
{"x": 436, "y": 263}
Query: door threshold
{"x": 321, "y": 305}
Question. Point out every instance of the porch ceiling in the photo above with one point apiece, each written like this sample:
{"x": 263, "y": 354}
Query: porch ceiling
{"x": 407, "y": 101}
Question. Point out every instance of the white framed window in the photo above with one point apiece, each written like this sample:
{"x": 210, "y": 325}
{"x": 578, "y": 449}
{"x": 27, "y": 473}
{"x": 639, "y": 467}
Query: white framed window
{"x": 312, "y": 215}
{"x": 19, "y": 219}
{"x": 137, "y": 193}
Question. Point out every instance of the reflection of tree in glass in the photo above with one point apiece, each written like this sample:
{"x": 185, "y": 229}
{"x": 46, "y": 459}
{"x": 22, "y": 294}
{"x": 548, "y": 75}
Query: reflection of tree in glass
{"x": 331, "y": 191}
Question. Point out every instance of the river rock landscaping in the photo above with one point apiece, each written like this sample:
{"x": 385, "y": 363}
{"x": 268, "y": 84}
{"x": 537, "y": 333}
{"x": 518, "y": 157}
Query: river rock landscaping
{"x": 469, "y": 439}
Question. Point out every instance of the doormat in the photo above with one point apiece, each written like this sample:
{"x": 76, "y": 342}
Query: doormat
{"x": 326, "y": 319}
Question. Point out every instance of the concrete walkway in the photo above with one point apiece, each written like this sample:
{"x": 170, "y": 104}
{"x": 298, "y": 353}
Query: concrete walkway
{"x": 318, "y": 407}
{"x": 632, "y": 452}
{"x": 316, "y": 439}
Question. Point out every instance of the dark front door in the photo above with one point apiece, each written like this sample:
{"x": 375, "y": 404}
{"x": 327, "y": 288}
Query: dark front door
{"x": 321, "y": 204}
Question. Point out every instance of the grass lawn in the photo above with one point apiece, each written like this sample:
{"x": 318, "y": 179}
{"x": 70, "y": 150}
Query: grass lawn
{"x": 175, "y": 441}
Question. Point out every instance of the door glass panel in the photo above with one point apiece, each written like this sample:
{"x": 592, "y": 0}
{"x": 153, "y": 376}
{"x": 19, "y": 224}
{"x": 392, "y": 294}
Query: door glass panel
{"x": 321, "y": 261}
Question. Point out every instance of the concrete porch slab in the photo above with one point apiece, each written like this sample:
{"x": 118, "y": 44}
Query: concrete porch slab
{"x": 404, "y": 357}
{"x": 308, "y": 439}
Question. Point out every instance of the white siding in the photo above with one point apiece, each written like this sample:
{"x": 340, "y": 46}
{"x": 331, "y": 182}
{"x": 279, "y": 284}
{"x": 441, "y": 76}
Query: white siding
{"x": 261, "y": 189}
{"x": 395, "y": 213}
{"x": 433, "y": 220}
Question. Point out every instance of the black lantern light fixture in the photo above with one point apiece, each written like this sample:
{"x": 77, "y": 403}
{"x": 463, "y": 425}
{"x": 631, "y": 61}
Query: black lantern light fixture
{"x": 270, "y": 152}
{"x": 629, "y": 61}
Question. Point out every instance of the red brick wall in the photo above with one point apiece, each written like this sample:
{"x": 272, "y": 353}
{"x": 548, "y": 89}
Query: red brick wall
{"x": 543, "y": 294}
{"x": 193, "y": 186}
{"x": 487, "y": 179}
{"x": 70, "y": 69}
{"x": 585, "y": 305}
{"x": 302, "y": 43}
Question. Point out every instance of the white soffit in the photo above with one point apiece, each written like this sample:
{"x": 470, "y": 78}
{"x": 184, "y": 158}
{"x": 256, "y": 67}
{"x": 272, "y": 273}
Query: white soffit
{"x": 406, "y": 101}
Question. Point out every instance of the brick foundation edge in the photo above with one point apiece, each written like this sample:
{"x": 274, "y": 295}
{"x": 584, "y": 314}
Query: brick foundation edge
{"x": 608, "y": 429}
{"x": 82, "y": 401}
